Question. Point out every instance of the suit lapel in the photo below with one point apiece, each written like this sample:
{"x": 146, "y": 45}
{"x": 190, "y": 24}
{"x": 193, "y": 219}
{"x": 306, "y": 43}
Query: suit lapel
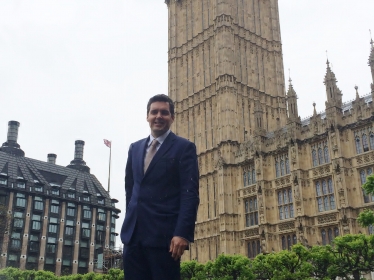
{"x": 141, "y": 155}
{"x": 166, "y": 145}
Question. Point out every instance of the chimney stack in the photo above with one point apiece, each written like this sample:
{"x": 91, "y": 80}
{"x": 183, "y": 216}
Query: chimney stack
{"x": 78, "y": 162}
{"x": 13, "y": 131}
{"x": 11, "y": 146}
{"x": 52, "y": 158}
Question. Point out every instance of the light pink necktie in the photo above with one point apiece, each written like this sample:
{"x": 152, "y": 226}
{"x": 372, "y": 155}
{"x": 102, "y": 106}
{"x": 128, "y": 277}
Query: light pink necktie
{"x": 151, "y": 152}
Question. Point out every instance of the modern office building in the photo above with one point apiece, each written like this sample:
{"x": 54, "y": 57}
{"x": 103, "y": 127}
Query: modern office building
{"x": 60, "y": 218}
{"x": 267, "y": 178}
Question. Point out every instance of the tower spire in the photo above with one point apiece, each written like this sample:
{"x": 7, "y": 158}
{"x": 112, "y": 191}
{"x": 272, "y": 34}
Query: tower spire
{"x": 293, "y": 112}
{"x": 333, "y": 93}
{"x": 371, "y": 62}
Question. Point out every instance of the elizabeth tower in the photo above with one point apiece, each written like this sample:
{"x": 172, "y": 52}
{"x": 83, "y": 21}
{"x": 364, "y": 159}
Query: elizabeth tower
{"x": 226, "y": 78}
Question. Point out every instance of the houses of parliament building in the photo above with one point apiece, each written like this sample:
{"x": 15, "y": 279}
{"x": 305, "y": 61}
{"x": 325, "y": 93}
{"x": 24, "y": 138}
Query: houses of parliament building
{"x": 268, "y": 179}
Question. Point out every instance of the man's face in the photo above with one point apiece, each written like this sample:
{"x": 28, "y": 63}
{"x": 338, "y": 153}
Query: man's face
{"x": 159, "y": 118}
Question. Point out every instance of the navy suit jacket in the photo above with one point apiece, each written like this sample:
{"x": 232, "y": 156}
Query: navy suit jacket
{"x": 163, "y": 202}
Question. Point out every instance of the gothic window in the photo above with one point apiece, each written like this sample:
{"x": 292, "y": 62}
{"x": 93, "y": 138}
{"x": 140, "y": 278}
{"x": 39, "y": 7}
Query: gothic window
{"x": 254, "y": 248}
{"x": 288, "y": 241}
{"x": 282, "y": 165}
{"x": 251, "y": 212}
{"x": 371, "y": 229}
{"x": 285, "y": 204}
{"x": 363, "y": 144}
{"x": 314, "y": 157}
{"x": 249, "y": 175}
{"x": 371, "y": 138}
{"x": 320, "y": 156}
{"x": 325, "y": 195}
{"x": 320, "y": 153}
{"x": 326, "y": 151}
{"x": 363, "y": 175}
{"x": 328, "y": 235}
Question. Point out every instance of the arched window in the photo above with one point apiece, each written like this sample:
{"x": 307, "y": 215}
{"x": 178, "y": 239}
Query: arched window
{"x": 287, "y": 166}
{"x": 314, "y": 156}
{"x": 253, "y": 176}
{"x": 285, "y": 197}
{"x": 324, "y": 187}
{"x": 336, "y": 232}
{"x": 245, "y": 178}
{"x": 284, "y": 246}
{"x": 277, "y": 173}
{"x": 249, "y": 178}
{"x": 332, "y": 202}
{"x": 365, "y": 143}
{"x": 371, "y": 229}
{"x": 254, "y": 250}
{"x": 289, "y": 244}
{"x": 326, "y": 203}
{"x": 371, "y": 139}
{"x": 363, "y": 177}
{"x": 358, "y": 145}
{"x": 323, "y": 233}
{"x": 318, "y": 189}
{"x": 327, "y": 158}
{"x": 290, "y": 195}
{"x": 329, "y": 233}
{"x": 320, "y": 156}
{"x": 258, "y": 247}
{"x": 294, "y": 239}
{"x": 330, "y": 186}
{"x": 282, "y": 167}
{"x": 320, "y": 206}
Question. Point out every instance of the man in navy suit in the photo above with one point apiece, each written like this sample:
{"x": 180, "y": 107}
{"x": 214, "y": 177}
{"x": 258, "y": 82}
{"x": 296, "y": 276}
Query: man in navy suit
{"x": 162, "y": 197}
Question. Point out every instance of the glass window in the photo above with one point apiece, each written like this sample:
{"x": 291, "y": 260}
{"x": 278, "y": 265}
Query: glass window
{"x": 358, "y": 146}
{"x": 51, "y": 239}
{"x": 53, "y": 220}
{"x": 55, "y": 191}
{"x": 34, "y": 246}
{"x": 38, "y": 205}
{"x": 32, "y": 259}
{"x": 3, "y": 181}
{"x": 71, "y": 195}
{"x": 69, "y": 231}
{"x": 251, "y": 212}
{"x": 314, "y": 157}
{"x": 86, "y": 198}
{"x": 55, "y": 209}
{"x": 363, "y": 175}
{"x": 327, "y": 158}
{"x": 36, "y": 225}
{"x": 18, "y": 223}
{"x": 371, "y": 138}
{"x": 326, "y": 198}
{"x": 51, "y": 248}
{"x": 365, "y": 143}
{"x": 70, "y": 212}
{"x": 21, "y": 185}
{"x": 38, "y": 189}
{"x": 52, "y": 228}
{"x": 285, "y": 204}
{"x": 69, "y": 223}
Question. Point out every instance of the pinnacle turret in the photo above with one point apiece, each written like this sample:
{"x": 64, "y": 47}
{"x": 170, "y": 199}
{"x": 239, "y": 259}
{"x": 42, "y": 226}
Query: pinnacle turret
{"x": 333, "y": 93}
{"x": 293, "y": 112}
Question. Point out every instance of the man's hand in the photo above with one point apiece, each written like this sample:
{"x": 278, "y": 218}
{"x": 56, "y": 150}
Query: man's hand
{"x": 177, "y": 247}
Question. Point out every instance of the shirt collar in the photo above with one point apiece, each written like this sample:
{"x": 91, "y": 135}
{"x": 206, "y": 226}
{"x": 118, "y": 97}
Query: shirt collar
{"x": 160, "y": 139}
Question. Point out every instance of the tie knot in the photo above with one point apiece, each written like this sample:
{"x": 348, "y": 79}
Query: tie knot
{"x": 154, "y": 143}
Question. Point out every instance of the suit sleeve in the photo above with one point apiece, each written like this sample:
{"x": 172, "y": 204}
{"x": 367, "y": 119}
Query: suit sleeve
{"x": 129, "y": 177}
{"x": 189, "y": 193}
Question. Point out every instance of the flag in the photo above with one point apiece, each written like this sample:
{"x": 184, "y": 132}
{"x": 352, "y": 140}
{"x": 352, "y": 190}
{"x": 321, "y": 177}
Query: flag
{"x": 108, "y": 143}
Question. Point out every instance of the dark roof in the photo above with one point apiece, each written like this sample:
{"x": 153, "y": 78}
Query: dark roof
{"x": 50, "y": 175}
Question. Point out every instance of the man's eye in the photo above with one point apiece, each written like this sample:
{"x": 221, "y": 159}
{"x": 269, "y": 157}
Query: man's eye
{"x": 164, "y": 113}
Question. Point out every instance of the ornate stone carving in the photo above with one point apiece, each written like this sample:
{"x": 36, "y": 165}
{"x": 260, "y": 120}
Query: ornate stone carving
{"x": 286, "y": 226}
{"x": 327, "y": 218}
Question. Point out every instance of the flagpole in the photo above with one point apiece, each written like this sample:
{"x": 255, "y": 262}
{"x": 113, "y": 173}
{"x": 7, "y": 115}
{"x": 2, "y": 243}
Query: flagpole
{"x": 110, "y": 161}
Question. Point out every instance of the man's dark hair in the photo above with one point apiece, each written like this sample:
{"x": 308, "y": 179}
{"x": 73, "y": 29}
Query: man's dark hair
{"x": 161, "y": 98}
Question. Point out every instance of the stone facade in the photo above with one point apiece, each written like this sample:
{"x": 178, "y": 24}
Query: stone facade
{"x": 267, "y": 178}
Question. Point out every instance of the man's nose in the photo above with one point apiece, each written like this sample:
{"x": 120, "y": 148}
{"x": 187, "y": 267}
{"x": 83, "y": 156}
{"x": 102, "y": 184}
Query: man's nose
{"x": 159, "y": 115}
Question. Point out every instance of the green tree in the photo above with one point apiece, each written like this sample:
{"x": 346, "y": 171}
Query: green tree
{"x": 226, "y": 267}
{"x": 366, "y": 218}
{"x": 353, "y": 255}
{"x": 321, "y": 258}
{"x": 192, "y": 270}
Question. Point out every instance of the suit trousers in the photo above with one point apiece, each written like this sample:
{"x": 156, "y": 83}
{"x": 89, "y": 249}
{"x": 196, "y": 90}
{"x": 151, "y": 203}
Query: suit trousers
{"x": 148, "y": 263}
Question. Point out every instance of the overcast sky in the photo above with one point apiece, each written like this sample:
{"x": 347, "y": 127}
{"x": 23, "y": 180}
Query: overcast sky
{"x": 84, "y": 70}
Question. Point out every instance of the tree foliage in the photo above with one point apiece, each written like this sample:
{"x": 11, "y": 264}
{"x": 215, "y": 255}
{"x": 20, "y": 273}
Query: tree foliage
{"x": 366, "y": 218}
